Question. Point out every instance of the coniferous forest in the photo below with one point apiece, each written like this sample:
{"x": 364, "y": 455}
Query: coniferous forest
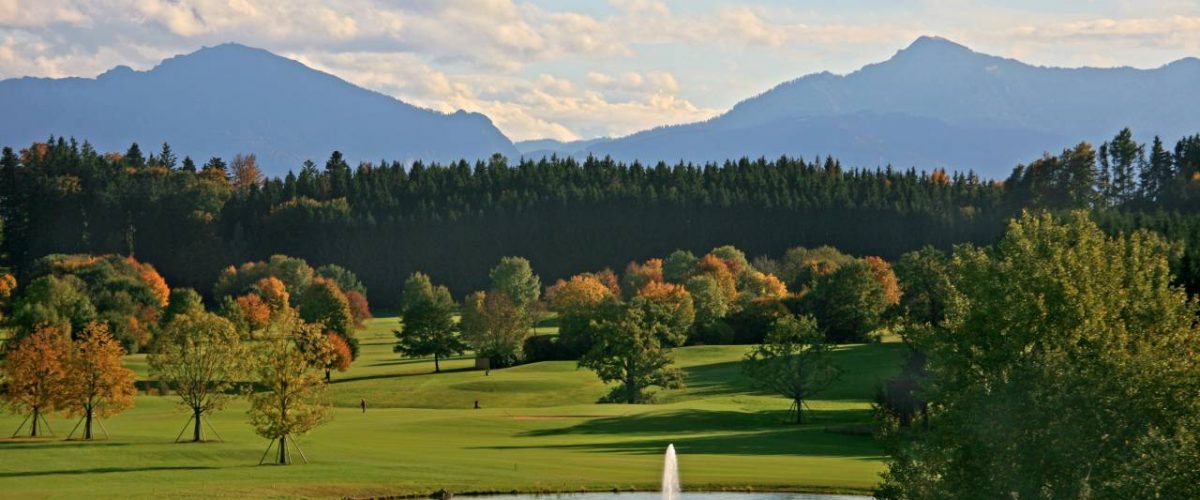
{"x": 191, "y": 218}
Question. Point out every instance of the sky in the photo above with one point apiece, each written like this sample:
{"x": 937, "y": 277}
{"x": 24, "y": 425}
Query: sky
{"x": 573, "y": 69}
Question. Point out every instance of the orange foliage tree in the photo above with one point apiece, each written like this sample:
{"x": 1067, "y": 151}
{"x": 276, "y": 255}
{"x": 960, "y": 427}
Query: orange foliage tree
{"x": 255, "y": 312}
{"x": 359, "y": 308}
{"x": 718, "y": 269}
{"x": 882, "y": 272}
{"x": 34, "y": 372}
{"x": 97, "y": 383}
{"x": 638, "y": 275}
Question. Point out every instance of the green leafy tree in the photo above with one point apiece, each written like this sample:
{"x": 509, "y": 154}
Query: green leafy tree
{"x": 324, "y": 303}
{"x": 292, "y": 399}
{"x": 678, "y": 266}
{"x": 793, "y": 361}
{"x": 345, "y": 279}
{"x": 848, "y": 303}
{"x": 183, "y": 301}
{"x": 494, "y": 327}
{"x": 514, "y": 277}
{"x": 200, "y": 355}
{"x": 924, "y": 277}
{"x": 53, "y": 301}
{"x": 428, "y": 322}
{"x": 628, "y": 349}
{"x": 1066, "y": 370}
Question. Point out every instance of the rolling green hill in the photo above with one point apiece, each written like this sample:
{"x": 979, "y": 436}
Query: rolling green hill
{"x": 539, "y": 430}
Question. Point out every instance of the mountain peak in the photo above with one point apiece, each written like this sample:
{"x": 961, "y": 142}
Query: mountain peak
{"x": 937, "y": 44}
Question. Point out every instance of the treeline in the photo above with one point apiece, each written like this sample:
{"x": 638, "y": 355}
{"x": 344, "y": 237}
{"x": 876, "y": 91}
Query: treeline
{"x": 386, "y": 220}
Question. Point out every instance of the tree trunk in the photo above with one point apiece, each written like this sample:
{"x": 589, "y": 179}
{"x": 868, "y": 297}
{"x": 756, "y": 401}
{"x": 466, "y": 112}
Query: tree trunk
{"x": 87, "y": 425}
{"x": 196, "y": 430}
{"x": 37, "y": 415}
{"x": 799, "y": 411}
{"x": 283, "y": 453}
{"x": 326, "y": 374}
{"x": 437, "y": 367}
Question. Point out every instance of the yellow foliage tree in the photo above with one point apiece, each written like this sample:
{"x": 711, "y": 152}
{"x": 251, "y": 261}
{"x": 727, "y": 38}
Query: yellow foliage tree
{"x": 34, "y": 372}
{"x": 97, "y": 384}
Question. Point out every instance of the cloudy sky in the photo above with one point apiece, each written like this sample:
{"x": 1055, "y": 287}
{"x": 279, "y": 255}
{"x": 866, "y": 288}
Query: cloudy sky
{"x": 585, "y": 68}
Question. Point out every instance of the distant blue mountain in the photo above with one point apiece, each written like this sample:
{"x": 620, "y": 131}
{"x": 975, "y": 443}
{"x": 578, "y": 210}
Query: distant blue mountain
{"x": 935, "y": 104}
{"x": 230, "y": 99}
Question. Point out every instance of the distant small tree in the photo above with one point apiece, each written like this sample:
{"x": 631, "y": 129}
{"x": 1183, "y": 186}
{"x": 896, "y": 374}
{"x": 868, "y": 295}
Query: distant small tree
{"x": 97, "y": 384}
{"x": 629, "y": 350}
{"x": 428, "y": 322}
{"x": 292, "y": 400}
{"x": 200, "y": 355}
{"x": 34, "y": 373}
{"x": 793, "y": 362}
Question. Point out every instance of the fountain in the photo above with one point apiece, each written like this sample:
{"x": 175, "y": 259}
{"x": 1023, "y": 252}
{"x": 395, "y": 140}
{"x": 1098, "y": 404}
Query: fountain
{"x": 670, "y": 478}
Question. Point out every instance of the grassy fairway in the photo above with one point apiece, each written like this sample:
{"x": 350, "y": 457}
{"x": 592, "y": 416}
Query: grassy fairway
{"x": 539, "y": 430}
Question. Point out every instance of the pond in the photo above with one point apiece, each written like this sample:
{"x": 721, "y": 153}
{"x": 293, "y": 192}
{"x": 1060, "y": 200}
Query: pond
{"x": 653, "y": 495}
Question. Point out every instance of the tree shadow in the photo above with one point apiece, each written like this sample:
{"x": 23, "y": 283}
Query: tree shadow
{"x": 694, "y": 421}
{"x": 864, "y": 367}
{"x": 399, "y": 375}
{"x": 27, "y": 443}
{"x": 106, "y": 470}
{"x": 802, "y": 440}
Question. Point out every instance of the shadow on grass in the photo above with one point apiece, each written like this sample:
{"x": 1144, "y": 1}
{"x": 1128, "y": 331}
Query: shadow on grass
{"x": 27, "y": 443}
{"x": 695, "y": 421}
{"x": 806, "y": 440}
{"x": 103, "y": 470}
{"x": 414, "y": 361}
{"x": 399, "y": 375}
{"x": 864, "y": 367}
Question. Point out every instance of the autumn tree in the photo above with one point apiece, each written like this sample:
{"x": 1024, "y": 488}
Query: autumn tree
{"x": 200, "y": 356}
{"x": 34, "y": 373}
{"x": 97, "y": 383}
{"x": 793, "y": 361}
{"x": 638, "y": 275}
{"x": 629, "y": 350}
{"x": 577, "y": 301}
{"x": 245, "y": 172}
{"x": 428, "y": 322}
{"x": 324, "y": 303}
{"x": 671, "y": 306}
{"x": 291, "y": 402}
{"x": 883, "y": 274}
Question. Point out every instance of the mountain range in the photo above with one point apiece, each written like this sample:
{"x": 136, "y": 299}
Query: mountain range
{"x": 934, "y": 104}
{"x": 230, "y": 99}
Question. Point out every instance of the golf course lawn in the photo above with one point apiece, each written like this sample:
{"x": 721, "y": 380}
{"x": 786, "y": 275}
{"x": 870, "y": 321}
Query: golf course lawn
{"x": 539, "y": 429}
